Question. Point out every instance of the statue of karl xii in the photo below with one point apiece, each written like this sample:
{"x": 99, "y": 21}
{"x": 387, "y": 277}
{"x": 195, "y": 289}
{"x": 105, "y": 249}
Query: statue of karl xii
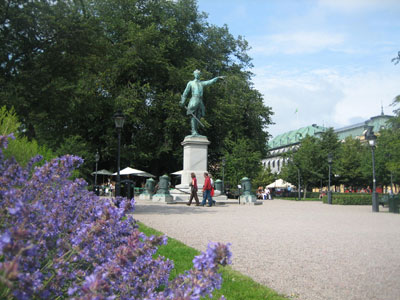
{"x": 196, "y": 107}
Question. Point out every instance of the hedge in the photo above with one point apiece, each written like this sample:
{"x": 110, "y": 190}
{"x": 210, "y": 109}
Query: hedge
{"x": 349, "y": 199}
{"x": 295, "y": 195}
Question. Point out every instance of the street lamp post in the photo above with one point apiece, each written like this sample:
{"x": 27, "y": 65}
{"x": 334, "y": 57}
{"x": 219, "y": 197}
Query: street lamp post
{"x": 330, "y": 157}
{"x": 96, "y": 158}
{"x": 389, "y": 156}
{"x": 223, "y": 175}
{"x": 119, "y": 123}
{"x": 298, "y": 178}
{"x": 371, "y": 137}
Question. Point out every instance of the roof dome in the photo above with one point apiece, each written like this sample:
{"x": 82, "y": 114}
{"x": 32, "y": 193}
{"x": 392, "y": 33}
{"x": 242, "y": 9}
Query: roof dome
{"x": 295, "y": 136}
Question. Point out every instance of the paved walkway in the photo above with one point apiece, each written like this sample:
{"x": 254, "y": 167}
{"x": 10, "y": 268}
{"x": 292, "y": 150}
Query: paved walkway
{"x": 306, "y": 250}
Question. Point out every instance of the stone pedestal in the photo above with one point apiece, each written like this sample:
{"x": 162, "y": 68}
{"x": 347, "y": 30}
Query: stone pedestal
{"x": 195, "y": 160}
{"x": 195, "y": 154}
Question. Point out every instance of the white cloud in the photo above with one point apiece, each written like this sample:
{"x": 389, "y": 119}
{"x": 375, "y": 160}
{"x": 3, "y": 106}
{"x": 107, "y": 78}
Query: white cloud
{"x": 364, "y": 94}
{"x": 301, "y": 42}
{"x": 325, "y": 96}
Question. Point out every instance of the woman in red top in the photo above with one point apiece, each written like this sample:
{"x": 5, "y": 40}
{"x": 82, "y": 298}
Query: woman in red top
{"x": 207, "y": 190}
{"x": 193, "y": 190}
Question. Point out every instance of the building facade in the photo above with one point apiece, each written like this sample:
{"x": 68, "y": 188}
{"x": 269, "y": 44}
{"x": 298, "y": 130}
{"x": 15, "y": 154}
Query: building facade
{"x": 291, "y": 140}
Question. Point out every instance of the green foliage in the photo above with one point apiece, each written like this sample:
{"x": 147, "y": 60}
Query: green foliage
{"x": 353, "y": 163}
{"x": 263, "y": 178}
{"x": 310, "y": 196}
{"x": 234, "y": 284}
{"x": 308, "y": 159}
{"x": 8, "y": 121}
{"x": 241, "y": 161}
{"x": 387, "y": 156}
{"x": 311, "y": 160}
{"x": 76, "y": 145}
{"x": 23, "y": 150}
{"x": 349, "y": 199}
{"x": 69, "y": 65}
{"x": 20, "y": 148}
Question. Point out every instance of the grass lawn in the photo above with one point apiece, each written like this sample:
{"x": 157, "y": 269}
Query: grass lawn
{"x": 235, "y": 286}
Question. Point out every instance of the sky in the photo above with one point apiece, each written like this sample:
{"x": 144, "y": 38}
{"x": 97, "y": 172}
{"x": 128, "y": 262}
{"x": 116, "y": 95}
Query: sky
{"x": 324, "y": 62}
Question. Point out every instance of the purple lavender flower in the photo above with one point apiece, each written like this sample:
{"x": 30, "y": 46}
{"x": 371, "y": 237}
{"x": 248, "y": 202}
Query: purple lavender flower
{"x": 59, "y": 240}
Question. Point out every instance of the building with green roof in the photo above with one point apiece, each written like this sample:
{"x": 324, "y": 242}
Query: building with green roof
{"x": 290, "y": 140}
{"x": 285, "y": 142}
{"x": 357, "y": 130}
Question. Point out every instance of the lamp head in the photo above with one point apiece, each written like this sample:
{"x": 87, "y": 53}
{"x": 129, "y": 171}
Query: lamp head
{"x": 370, "y": 136}
{"x": 97, "y": 156}
{"x": 372, "y": 142}
{"x": 119, "y": 119}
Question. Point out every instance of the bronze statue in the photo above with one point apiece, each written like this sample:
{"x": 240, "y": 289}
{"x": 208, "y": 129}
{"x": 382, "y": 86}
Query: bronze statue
{"x": 196, "y": 107}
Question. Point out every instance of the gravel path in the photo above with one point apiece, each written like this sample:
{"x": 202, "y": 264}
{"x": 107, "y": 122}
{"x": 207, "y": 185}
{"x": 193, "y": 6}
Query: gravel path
{"x": 305, "y": 250}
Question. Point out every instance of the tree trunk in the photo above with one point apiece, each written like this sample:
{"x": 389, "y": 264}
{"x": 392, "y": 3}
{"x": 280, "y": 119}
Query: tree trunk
{"x": 305, "y": 192}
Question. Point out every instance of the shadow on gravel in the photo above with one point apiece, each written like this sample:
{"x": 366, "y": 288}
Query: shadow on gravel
{"x": 173, "y": 209}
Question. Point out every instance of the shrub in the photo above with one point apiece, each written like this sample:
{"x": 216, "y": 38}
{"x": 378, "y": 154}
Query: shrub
{"x": 349, "y": 199}
{"x": 20, "y": 148}
{"x": 57, "y": 240}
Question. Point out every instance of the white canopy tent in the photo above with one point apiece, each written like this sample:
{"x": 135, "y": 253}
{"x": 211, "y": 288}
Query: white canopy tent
{"x": 102, "y": 172}
{"x": 280, "y": 184}
{"x": 178, "y": 173}
{"x": 136, "y": 172}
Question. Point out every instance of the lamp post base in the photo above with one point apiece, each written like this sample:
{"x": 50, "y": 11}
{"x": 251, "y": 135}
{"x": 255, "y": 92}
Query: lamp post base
{"x": 375, "y": 203}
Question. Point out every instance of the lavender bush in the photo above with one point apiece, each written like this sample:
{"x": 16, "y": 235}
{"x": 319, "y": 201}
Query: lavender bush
{"x": 57, "y": 241}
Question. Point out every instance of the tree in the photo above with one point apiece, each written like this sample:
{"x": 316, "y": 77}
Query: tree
{"x": 241, "y": 161}
{"x": 67, "y": 66}
{"x": 307, "y": 160}
{"x": 263, "y": 178}
{"x": 329, "y": 144}
{"x": 354, "y": 163}
{"x": 388, "y": 150}
{"x": 387, "y": 156}
{"x": 310, "y": 160}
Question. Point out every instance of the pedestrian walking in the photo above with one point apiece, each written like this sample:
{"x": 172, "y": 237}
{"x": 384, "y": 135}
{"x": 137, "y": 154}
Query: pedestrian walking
{"x": 207, "y": 190}
{"x": 193, "y": 190}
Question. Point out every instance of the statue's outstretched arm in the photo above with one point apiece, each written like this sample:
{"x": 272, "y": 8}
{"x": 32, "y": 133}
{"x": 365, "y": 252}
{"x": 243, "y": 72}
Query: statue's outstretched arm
{"x": 211, "y": 81}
